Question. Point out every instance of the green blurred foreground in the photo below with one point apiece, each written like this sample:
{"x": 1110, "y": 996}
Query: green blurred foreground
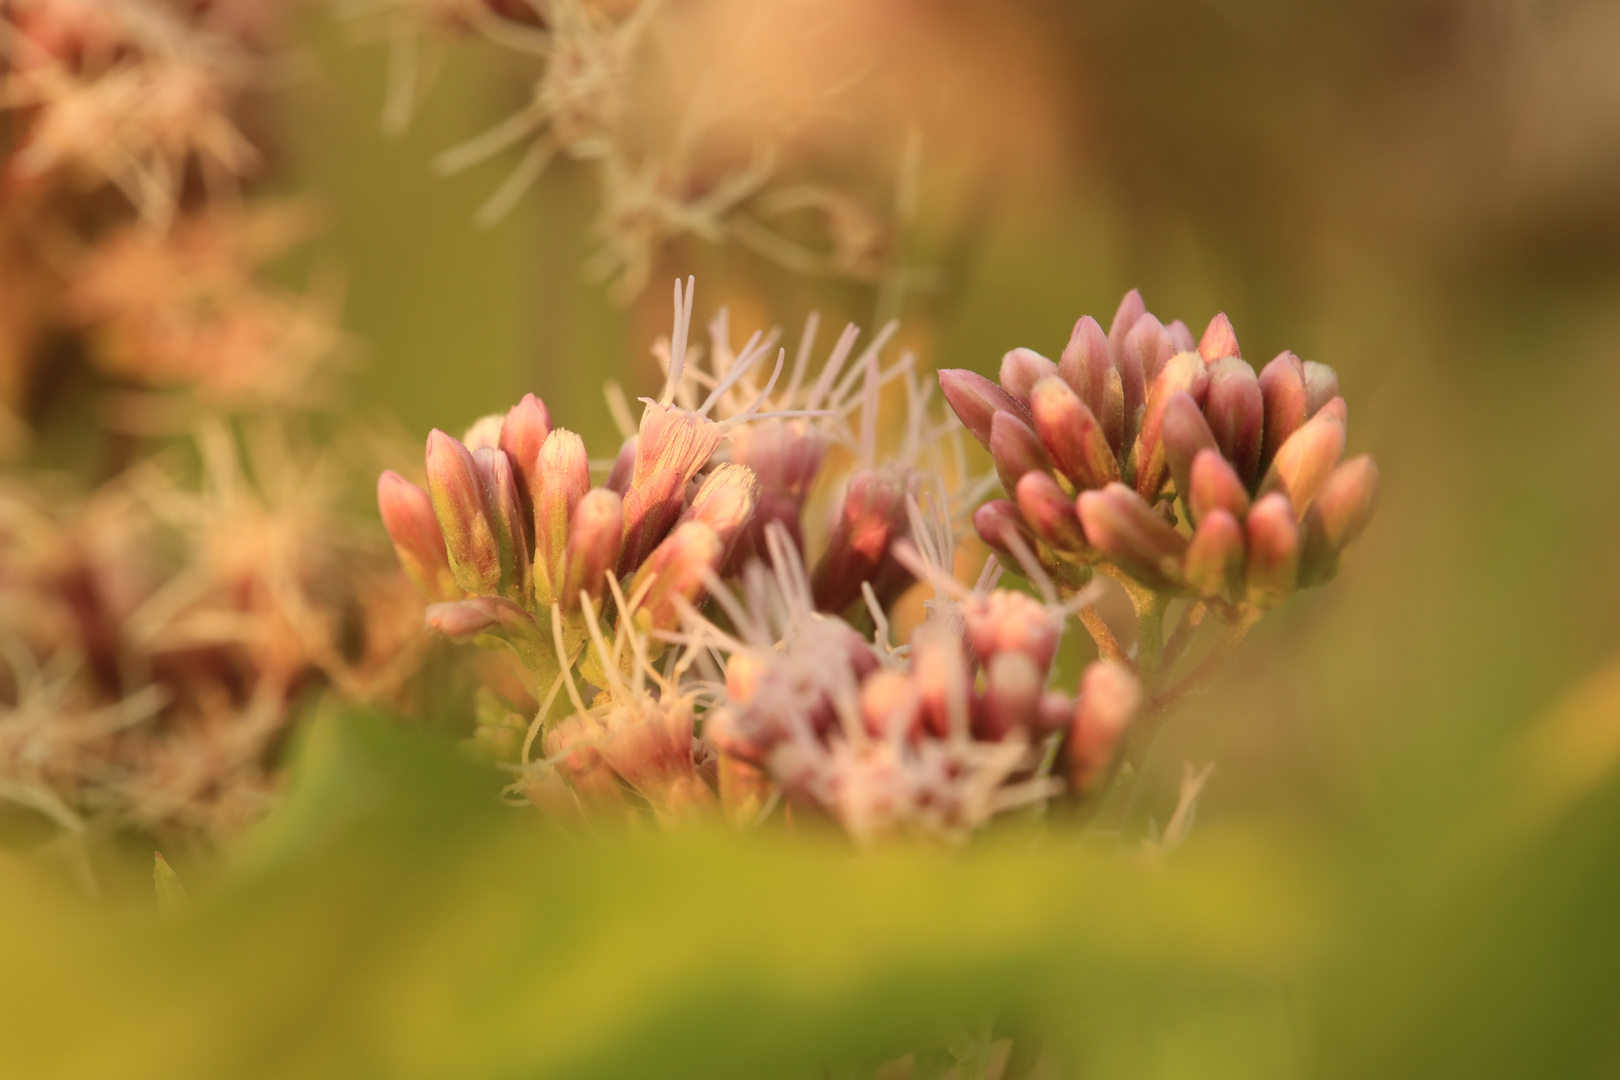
{"x": 390, "y": 921}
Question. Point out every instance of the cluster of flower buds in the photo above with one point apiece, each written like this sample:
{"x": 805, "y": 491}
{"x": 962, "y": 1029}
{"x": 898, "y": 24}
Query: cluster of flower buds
{"x": 1096, "y": 449}
{"x": 934, "y": 738}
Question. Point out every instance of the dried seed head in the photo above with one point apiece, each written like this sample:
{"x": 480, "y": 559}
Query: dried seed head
{"x": 1214, "y": 485}
{"x": 407, "y": 513}
{"x": 976, "y": 400}
{"x": 1219, "y": 340}
{"x": 1021, "y": 369}
{"x": 1147, "y": 547}
{"x": 1215, "y": 558}
{"x": 1273, "y": 537}
{"x": 1071, "y": 435}
{"x": 1236, "y": 413}
{"x": 1109, "y": 698}
{"x": 457, "y": 492}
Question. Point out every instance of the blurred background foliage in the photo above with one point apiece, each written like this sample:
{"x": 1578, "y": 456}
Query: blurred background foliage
{"x": 1406, "y": 857}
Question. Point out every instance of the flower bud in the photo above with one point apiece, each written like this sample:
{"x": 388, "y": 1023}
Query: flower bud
{"x": 462, "y": 620}
{"x": 889, "y": 705}
{"x": 563, "y": 476}
{"x": 1015, "y": 449}
{"x": 940, "y": 673}
{"x": 522, "y": 433}
{"x": 1214, "y": 485}
{"x": 1049, "y": 512}
{"x": 1071, "y": 435}
{"x": 1321, "y": 386}
{"x": 505, "y": 511}
{"x": 1236, "y": 413}
{"x": 1185, "y": 434}
{"x": 673, "y": 444}
{"x": 1181, "y": 338}
{"x": 677, "y": 568}
{"x": 1282, "y": 386}
{"x": 1215, "y": 557}
{"x": 484, "y": 434}
{"x": 457, "y": 492}
{"x": 407, "y": 513}
{"x": 1146, "y": 350}
{"x": 1086, "y": 362}
{"x": 996, "y": 521}
{"x": 1008, "y": 621}
{"x": 1130, "y": 309}
{"x": 976, "y": 400}
{"x": 1054, "y": 713}
{"x": 624, "y": 467}
{"x": 1142, "y": 543}
{"x": 1336, "y": 408}
{"x": 1302, "y": 464}
{"x": 1337, "y": 517}
{"x": 1109, "y": 698}
{"x": 725, "y": 503}
{"x": 1273, "y": 538}
{"x": 1219, "y": 340}
{"x": 594, "y": 536}
{"x": 743, "y": 672}
{"x": 872, "y": 518}
{"x": 1013, "y": 685}
{"x": 1021, "y": 369}
{"x": 1184, "y": 372}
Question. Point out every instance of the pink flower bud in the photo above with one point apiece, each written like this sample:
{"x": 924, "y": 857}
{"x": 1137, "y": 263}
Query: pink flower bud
{"x": 505, "y": 512}
{"x": 1321, "y": 386}
{"x": 522, "y": 433}
{"x": 1215, "y": 558}
{"x": 594, "y": 536}
{"x": 1071, "y": 435}
{"x": 940, "y": 673}
{"x": 1050, "y": 512}
{"x": 1336, "y": 408}
{"x": 1219, "y": 340}
{"x": 1214, "y": 485}
{"x": 1337, "y": 517}
{"x": 462, "y": 620}
{"x": 1181, "y": 338}
{"x": 1147, "y": 349}
{"x": 1086, "y": 362}
{"x": 1055, "y": 712}
{"x": 1236, "y": 413}
{"x": 785, "y": 455}
{"x": 624, "y": 467}
{"x": 1302, "y": 464}
{"x": 725, "y": 502}
{"x": 1273, "y": 538}
{"x": 889, "y": 705}
{"x": 1185, "y": 434}
{"x": 1009, "y": 621}
{"x": 457, "y": 493}
{"x": 976, "y": 400}
{"x": 1109, "y": 698}
{"x": 563, "y": 476}
{"x": 484, "y": 434}
{"x": 1015, "y": 449}
{"x": 1132, "y": 533}
{"x": 1013, "y": 685}
{"x": 1282, "y": 386}
{"x": 1021, "y": 369}
{"x": 1184, "y": 372}
{"x": 1130, "y": 309}
{"x": 672, "y": 446}
{"x": 407, "y": 513}
{"x": 872, "y": 518}
{"x": 677, "y": 568}
{"x": 997, "y": 520}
